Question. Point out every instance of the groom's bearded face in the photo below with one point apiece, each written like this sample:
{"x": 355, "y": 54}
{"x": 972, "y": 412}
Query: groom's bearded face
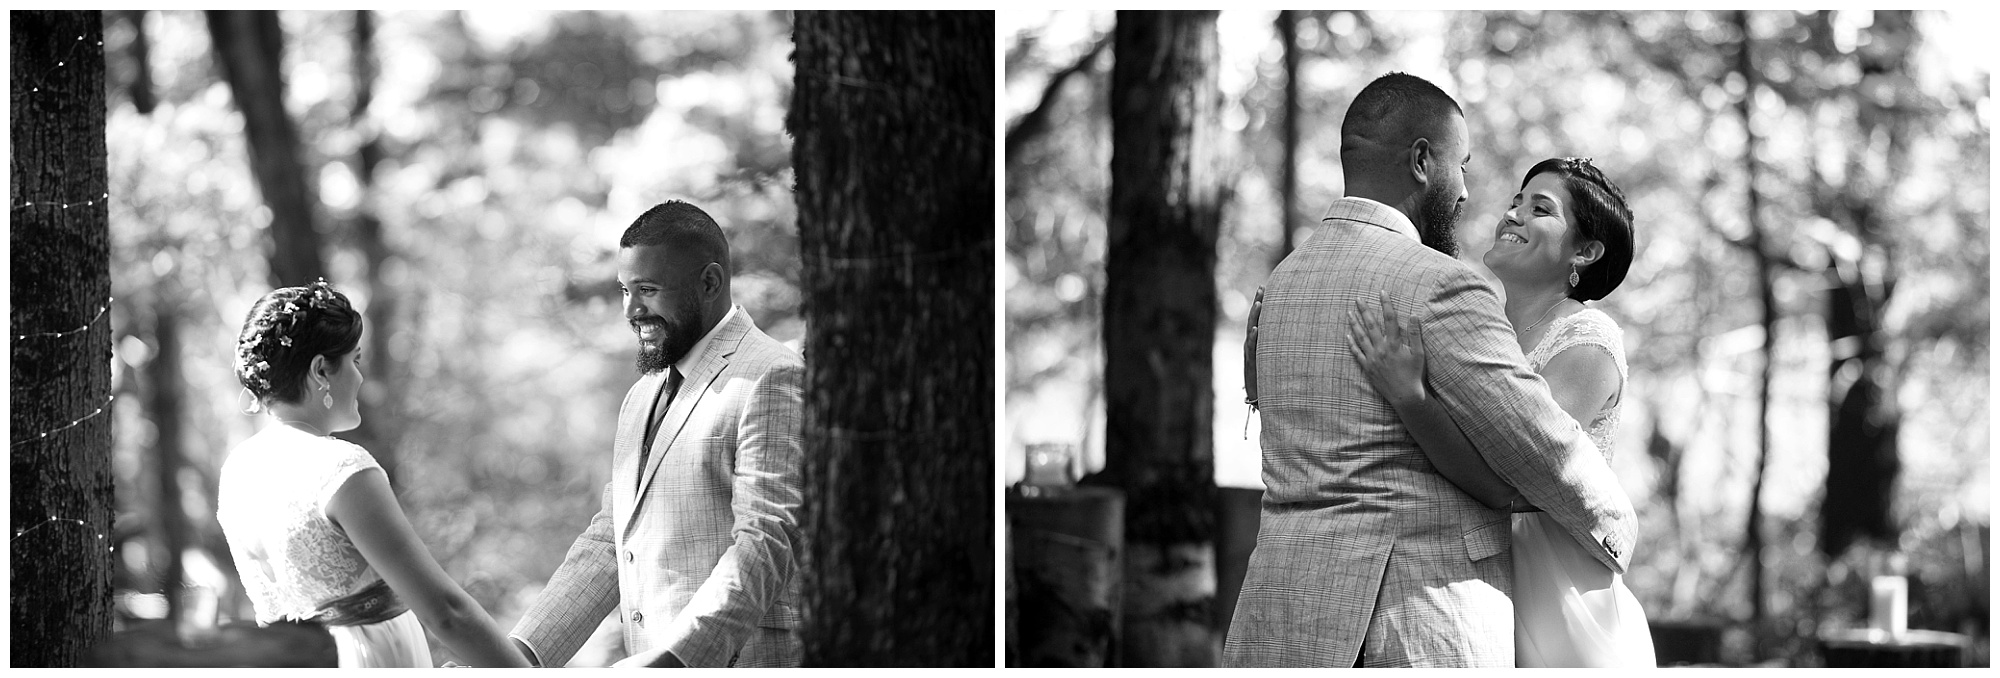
{"x": 664, "y": 340}
{"x": 1439, "y": 229}
{"x": 1444, "y": 195}
{"x": 662, "y": 303}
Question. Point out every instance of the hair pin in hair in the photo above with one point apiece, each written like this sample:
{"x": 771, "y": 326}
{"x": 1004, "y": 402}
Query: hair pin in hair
{"x": 285, "y": 342}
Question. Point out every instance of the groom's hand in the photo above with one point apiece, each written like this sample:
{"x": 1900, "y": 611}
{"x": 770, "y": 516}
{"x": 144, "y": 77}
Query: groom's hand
{"x": 1250, "y": 350}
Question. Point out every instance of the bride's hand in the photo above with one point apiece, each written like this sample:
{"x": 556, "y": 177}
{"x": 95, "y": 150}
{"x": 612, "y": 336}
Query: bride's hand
{"x": 1393, "y": 360}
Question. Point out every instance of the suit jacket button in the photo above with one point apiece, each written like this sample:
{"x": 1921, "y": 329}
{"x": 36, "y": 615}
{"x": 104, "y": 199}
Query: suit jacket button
{"x": 628, "y": 555}
{"x": 639, "y": 618}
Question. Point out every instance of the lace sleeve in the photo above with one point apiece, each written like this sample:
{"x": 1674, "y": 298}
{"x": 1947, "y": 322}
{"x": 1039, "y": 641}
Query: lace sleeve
{"x": 1588, "y": 328}
{"x": 347, "y": 460}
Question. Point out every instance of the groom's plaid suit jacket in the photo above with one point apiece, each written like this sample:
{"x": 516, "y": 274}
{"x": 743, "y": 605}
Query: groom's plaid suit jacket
{"x": 1360, "y": 538}
{"x": 695, "y": 553}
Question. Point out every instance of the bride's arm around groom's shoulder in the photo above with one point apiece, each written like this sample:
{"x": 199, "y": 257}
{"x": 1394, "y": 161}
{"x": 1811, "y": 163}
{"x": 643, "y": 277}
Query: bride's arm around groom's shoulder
{"x": 1505, "y": 409}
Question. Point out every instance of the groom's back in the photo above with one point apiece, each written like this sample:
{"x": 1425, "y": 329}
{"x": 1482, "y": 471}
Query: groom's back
{"x": 1359, "y": 536}
{"x": 1328, "y": 438}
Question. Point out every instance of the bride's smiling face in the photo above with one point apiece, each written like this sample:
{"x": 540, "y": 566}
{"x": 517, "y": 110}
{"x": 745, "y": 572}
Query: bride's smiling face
{"x": 1534, "y": 240}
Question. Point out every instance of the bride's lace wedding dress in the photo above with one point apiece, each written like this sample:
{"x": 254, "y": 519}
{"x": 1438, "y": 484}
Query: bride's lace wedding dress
{"x": 293, "y": 560}
{"x": 1569, "y": 610}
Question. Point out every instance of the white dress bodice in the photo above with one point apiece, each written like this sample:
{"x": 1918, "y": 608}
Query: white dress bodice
{"x": 272, "y": 506}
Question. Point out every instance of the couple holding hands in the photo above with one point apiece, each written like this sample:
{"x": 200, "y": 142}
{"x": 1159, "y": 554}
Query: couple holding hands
{"x": 693, "y": 543}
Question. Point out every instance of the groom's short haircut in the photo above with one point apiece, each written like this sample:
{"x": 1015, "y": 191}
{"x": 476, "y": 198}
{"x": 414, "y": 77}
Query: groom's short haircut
{"x": 684, "y": 228}
{"x": 1394, "y": 110}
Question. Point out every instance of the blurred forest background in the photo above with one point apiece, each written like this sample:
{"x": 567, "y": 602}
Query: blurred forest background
{"x": 464, "y": 178}
{"x": 1813, "y": 208}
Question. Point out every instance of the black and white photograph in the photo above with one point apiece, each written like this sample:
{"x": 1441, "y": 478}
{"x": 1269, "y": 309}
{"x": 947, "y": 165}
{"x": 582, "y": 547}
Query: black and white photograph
{"x": 1342, "y": 338}
{"x": 502, "y": 338}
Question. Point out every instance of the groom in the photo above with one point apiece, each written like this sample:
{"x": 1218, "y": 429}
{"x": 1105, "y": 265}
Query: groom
{"x": 1365, "y": 555}
{"x": 693, "y": 542}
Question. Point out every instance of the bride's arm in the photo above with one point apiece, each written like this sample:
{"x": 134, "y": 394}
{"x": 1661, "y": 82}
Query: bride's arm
{"x": 1394, "y": 363}
{"x": 367, "y": 510}
{"x": 1582, "y": 379}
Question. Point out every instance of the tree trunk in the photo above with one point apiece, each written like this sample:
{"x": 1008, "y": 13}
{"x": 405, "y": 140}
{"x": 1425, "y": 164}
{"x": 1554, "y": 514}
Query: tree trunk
{"x": 892, "y": 117}
{"x": 1288, "y": 190}
{"x": 164, "y": 393}
{"x": 1863, "y": 460}
{"x": 249, "y": 48}
{"x": 60, "y": 489}
{"x": 379, "y": 429}
{"x": 1159, "y": 330}
{"x": 1753, "y": 541}
{"x": 142, "y": 76}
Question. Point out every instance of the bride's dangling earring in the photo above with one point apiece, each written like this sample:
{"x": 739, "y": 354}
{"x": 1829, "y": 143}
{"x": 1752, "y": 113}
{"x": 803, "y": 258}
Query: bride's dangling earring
{"x": 326, "y": 397}
{"x": 1573, "y": 277}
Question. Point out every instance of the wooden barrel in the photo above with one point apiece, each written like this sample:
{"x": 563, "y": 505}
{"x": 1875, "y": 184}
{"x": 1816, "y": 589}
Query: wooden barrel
{"x": 1067, "y": 550}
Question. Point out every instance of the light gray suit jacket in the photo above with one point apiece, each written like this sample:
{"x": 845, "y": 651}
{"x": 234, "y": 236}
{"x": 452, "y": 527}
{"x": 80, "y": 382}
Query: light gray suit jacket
{"x": 1360, "y": 538}
{"x": 696, "y": 550}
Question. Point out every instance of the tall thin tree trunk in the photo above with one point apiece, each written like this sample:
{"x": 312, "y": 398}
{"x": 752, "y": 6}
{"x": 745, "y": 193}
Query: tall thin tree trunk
{"x": 1753, "y": 541}
{"x": 249, "y": 48}
{"x": 1159, "y": 330}
{"x": 163, "y": 404}
{"x": 379, "y": 428}
{"x": 1288, "y": 191}
{"x": 59, "y": 325}
{"x": 892, "y": 117}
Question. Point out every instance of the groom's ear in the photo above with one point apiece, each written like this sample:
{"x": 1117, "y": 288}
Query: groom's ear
{"x": 1420, "y": 160}
{"x": 712, "y": 279}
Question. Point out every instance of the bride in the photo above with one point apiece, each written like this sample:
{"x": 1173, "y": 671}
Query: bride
{"x": 1566, "y": 240}
{"x": 315, "y": 530}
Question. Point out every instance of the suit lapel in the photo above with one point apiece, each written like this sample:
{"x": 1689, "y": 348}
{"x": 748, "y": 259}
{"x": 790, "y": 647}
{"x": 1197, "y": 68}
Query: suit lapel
{"x": 625, "y": 442}
{"x": 694, "y": 385}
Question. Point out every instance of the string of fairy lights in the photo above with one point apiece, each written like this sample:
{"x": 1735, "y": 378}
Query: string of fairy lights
{"x": 56, "y": 521}
{"x": 102, "y": 311}
{"x": 101, "y": 198}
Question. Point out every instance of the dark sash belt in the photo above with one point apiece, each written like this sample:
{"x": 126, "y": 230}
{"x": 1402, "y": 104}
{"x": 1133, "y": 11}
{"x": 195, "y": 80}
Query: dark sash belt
{"x": 373, "y": 604}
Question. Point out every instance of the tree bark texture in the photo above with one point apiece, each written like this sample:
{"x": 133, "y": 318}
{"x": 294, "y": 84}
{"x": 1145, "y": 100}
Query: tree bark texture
{"x": 892, "y": 121}
{"x": 249, "y": 48}
{"x": 1160, "y": 314}
{"x": 60, "y": 489}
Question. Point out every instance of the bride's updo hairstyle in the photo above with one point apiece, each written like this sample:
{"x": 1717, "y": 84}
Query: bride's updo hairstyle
{"x": 1600, "y": 214}
{"x": 285, "y": 329}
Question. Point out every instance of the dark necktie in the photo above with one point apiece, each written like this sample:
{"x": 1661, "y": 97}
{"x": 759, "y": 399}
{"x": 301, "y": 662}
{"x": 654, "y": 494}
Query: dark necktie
{"x": 660, "y": 404}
